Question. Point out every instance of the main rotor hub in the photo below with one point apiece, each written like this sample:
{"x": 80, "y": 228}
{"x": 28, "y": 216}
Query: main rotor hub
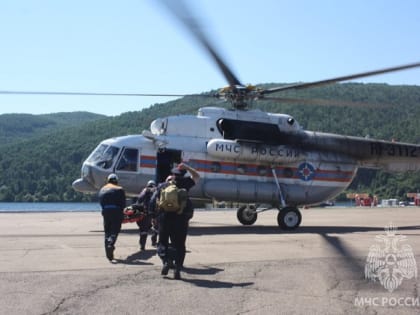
{"x": 239, "y": 96}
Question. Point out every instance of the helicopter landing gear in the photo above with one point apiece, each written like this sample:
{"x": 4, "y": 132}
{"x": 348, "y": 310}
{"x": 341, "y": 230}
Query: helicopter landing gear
{"x": 289, "y": 218}
{"x": 247, "y": 214}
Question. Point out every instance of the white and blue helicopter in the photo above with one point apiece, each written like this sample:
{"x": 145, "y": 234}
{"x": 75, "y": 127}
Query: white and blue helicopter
{"x": 247, "y": 156}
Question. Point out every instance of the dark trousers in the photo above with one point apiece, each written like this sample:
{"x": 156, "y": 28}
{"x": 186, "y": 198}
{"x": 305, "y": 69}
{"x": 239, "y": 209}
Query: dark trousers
{"x": 144, "y": 228}
{"x": 112, "y": 225}
{"x": 173, "y": 227}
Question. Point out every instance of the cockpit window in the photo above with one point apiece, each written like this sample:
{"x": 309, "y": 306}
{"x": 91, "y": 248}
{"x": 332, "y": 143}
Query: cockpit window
{"x": 103, "y": 156}
{"x": 128, "y": 161}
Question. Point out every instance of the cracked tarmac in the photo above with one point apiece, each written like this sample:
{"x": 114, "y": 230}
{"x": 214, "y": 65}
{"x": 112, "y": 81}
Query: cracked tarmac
{"x": 53, "y": 263}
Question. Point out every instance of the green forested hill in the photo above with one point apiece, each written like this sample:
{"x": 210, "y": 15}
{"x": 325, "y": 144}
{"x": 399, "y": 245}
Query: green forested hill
{"x": 42, "y": 167}
{"x": 15, "y": 127}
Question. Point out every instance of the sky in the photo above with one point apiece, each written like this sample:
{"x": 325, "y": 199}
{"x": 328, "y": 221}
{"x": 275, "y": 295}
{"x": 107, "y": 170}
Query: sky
{"x": 136, "y": 46}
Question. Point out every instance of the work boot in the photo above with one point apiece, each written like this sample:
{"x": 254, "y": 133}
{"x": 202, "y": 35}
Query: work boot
{"x": 109, "y": 250}
{"x": 165, "y": 269}
{"x": 142, "y": 242}
{"x": 177, "y": 274}
{"x": 154, "y": 239}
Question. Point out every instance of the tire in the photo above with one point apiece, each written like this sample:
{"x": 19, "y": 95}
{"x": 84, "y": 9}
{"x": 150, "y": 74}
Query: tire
{"x": 289, "y": 218}
{"x": 247, "y": 215}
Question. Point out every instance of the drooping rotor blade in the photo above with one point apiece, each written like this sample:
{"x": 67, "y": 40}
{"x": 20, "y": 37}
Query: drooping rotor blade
{"x": 91, "y": 93}
{"x": 185, "y": 16}
{"x": 340, "y": 79}
{"x": 322, "y": 102}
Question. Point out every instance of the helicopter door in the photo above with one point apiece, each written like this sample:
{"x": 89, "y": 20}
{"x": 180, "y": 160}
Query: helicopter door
{"x": 127, "y": 168}
{"x": 166, "y": 159}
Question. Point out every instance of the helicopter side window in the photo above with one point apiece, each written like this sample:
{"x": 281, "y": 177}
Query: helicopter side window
{"x": 216, "y": 167}
{"x": 103, "y": 156}
{"x": 241, "y": 168}
{"x": 128, "y": 161}
{"x": 262, "y": 170}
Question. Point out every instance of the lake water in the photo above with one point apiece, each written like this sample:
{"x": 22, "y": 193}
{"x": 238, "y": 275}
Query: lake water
{"x": 75, "y": 206}
{"x": 49, "y": 207}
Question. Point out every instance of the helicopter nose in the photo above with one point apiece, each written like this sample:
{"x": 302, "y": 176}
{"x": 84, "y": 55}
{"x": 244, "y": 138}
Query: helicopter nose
{"x": 83, "y": 186}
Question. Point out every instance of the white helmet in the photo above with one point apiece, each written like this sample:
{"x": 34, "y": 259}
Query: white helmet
{"x": 112, "y": 178}
{"x": 151, "y": 183}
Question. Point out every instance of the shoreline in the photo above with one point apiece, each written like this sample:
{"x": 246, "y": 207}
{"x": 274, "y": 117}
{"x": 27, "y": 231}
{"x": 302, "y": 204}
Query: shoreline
{"x": 339, "y": 207}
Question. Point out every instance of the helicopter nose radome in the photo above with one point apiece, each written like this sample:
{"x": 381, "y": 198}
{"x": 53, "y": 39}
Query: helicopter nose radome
{"x": 83, "y": 186}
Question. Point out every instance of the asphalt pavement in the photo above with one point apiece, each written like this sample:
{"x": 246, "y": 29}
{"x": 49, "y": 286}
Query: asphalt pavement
{"x": 54, "y": 263}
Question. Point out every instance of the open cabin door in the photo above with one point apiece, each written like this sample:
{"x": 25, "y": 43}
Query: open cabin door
{"x": 166, "y": 159}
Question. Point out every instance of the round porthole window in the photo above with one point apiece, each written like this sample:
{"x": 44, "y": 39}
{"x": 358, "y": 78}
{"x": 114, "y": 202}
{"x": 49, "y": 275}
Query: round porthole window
{"x": 241, "y": 168}
{"x": 262, "y": 170}
{"x": 288, "y": 172}
{"x": 215, "y": 167}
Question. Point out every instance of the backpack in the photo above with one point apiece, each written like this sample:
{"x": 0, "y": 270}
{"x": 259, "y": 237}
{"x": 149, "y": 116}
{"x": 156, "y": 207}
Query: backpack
{"x": 172, "y": 198}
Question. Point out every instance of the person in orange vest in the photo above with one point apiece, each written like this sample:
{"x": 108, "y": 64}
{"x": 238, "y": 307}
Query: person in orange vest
{"x": 112, "y": 200}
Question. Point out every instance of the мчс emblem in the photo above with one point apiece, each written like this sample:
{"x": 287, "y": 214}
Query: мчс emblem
{"x": 390, "y": 260}
{"x": 306, "y": 171}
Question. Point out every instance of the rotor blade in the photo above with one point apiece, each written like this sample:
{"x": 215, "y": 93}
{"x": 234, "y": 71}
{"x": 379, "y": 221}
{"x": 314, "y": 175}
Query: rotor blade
{"x": 340, "y": 79}
{"x": 93, "y": 93}
{"x": 322, "y": 102}
{"x": 184, "y": 15}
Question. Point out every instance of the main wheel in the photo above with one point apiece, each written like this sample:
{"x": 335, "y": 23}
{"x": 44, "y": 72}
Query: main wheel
{"x": 289, "y": 218}
{"x": 247, "y": 215}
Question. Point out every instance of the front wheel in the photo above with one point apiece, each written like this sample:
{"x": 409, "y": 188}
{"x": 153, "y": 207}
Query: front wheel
{"x": 247, "y": 215}
{"x": 289, "y": 218}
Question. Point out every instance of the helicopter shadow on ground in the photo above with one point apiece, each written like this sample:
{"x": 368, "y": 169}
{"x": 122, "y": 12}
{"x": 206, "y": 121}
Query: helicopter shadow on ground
{"x": 334, "y": 236}
{"x": 255, "y": 229}
{"x": 322, "y": 230}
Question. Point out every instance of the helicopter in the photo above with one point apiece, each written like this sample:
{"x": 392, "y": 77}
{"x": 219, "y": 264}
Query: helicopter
{"x": 246, "y": 155}
{"x": 259, "y": 159}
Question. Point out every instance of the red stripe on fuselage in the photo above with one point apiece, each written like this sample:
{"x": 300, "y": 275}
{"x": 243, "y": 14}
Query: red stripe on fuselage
{"x": 230, "y": 168}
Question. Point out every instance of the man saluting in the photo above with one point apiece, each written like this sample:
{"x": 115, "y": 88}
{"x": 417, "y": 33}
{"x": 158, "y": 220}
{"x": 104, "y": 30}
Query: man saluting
{"x": 174, "y": 224}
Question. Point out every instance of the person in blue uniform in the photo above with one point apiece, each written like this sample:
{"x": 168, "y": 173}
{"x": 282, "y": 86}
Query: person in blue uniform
{"x": 112, "y": 200}
{"x": 174, "y": 226}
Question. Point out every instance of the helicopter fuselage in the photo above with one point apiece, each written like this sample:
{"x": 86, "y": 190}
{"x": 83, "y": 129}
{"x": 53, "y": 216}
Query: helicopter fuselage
{"x": 244, "y": 156}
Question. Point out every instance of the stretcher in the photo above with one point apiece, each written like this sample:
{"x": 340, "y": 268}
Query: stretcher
{"x": 133, "y": 213}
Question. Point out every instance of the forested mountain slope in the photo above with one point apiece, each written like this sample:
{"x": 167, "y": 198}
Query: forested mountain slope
{"x": 15, "y": 127}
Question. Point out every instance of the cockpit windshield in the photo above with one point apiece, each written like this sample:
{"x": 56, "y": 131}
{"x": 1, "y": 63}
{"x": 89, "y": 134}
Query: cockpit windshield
{"x": 103, "y": 156}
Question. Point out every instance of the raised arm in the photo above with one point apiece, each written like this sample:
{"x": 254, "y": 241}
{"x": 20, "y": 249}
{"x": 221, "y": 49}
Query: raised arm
{"x": 194, "y": 174}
